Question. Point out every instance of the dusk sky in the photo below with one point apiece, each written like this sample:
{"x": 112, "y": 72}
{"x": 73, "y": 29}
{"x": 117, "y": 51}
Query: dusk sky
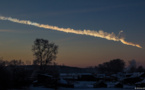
{"x": 16, "y": 39}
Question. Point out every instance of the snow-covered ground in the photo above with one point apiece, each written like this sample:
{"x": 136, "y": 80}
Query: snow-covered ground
{"x": 62, "y": 88}
{"x": 40, "y": 88}
{"x": 93, "y": 89}
{"x": 84, "y": 84}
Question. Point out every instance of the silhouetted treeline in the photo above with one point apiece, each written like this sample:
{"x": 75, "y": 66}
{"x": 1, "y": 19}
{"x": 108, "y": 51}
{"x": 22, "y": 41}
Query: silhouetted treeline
{"x": 11, "y": 62}
{"x": 13, "y": 75}
{"x": 113, "y": 66}
{"x": 118, "y": 65}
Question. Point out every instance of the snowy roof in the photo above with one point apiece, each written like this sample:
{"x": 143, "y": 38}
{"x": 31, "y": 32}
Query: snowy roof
{"x": 136, "y": 75}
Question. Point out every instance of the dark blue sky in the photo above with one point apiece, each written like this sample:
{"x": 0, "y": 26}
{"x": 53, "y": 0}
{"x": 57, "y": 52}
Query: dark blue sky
{"x": 75, "y": 50}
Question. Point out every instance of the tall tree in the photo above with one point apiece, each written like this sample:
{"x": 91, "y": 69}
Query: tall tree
{"x": 44, "y": 52}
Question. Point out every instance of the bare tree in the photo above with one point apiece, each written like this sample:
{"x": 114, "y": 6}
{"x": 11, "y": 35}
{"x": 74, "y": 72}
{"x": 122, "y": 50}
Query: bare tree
{"x": 44, "y": 52}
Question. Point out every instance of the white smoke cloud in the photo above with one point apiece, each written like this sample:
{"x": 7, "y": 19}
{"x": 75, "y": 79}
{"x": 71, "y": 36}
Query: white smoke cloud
{"x": 100, "y": 33}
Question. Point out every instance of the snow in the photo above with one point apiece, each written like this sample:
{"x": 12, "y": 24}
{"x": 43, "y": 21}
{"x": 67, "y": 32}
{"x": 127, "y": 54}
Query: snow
{"x": 128, "y": 87}
{"x": 111, "y": 84}
{"x": 136, "y": 75}
{"x": 62, "y": 81}
{"x": 41, "y": 88}
{"x": 62, "y": 88}
{"x": 84, "y": 84}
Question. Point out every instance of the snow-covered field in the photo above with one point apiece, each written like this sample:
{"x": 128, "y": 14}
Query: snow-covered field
{"x": 41, "y": 88}
{"x": 93, "y": 89}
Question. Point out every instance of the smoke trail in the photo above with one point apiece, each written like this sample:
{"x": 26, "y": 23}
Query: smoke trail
{"x": 100, "y": 33}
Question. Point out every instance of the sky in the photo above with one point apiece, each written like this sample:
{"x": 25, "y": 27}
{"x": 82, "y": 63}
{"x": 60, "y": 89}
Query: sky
{"x": 16, "y": 39}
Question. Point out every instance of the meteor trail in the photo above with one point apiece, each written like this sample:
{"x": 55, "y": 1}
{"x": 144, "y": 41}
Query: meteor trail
{"x": 100, "y": 33}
